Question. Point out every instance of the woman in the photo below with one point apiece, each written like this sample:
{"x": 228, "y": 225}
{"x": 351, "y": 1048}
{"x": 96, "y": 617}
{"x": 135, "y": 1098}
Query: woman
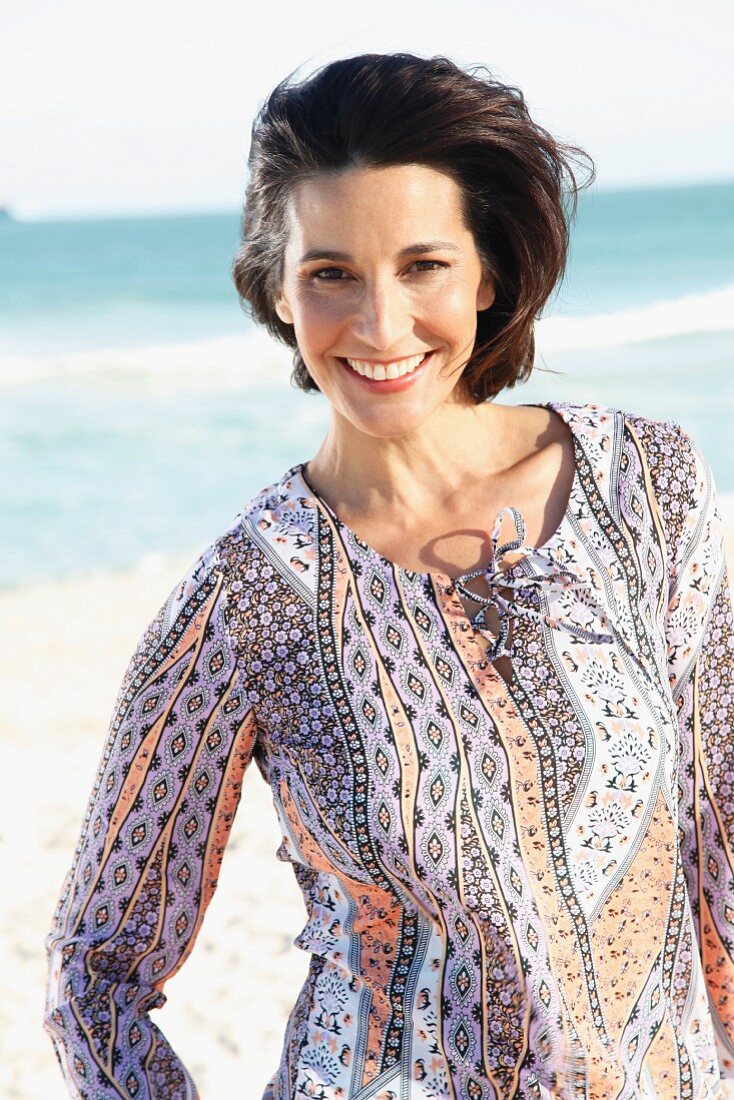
{"x": 481, "y": 652}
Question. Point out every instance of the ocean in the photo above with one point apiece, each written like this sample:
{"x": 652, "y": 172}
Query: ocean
{"x": 140, "y": 409}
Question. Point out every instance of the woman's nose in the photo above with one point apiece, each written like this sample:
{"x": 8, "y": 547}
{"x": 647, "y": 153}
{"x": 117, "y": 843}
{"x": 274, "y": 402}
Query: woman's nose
{"x": 382, "y": 317}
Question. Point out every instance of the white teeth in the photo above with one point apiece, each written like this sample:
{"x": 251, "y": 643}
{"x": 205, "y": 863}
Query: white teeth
{"x": 378, "y": 372}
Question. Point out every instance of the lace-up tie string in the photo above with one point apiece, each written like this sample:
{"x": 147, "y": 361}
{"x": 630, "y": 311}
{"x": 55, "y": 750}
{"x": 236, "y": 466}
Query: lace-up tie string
{"x": 558, "y": 579}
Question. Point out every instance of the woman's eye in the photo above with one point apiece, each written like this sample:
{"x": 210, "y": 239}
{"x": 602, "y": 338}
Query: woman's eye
{"x": 334, "y": 274}
{"x": 432, "y": 264}
{"x": 326, "y": 274}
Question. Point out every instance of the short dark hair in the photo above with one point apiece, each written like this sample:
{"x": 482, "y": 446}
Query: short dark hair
{"x": 376, "y": 110}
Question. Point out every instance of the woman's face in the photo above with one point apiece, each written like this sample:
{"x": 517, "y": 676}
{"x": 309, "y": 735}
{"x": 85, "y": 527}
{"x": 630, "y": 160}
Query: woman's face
{"x": 379, "y": 271}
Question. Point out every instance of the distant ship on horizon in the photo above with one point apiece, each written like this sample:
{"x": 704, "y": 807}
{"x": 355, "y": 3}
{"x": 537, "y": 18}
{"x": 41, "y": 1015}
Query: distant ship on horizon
{"x": 5, "y": 212}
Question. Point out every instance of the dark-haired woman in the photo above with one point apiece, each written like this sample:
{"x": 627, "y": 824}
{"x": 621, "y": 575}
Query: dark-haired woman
{"x": 481, "y": 652}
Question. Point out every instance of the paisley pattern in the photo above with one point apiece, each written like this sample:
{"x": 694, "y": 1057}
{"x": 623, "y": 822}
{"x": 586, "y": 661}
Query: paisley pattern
{"x": 513, "y": 888}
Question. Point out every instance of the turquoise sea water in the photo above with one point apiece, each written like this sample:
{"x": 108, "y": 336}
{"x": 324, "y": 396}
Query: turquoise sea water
{"x": 139, "y": 409}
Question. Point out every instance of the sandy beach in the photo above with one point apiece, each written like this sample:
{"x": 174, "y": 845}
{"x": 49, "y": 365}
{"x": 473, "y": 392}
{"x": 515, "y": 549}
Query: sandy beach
{"x": 64, "y": 652}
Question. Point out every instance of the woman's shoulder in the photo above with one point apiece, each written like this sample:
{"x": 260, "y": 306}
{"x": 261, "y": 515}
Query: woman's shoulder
{"x": 272, "y": 532}
{"x": 607, "y": 434}
{"x": 274, "y": 528}
{"x": 652, "y": 455}
{"x": 663, "y": 440}
{"x": 671, "y": 453}
{"x": 596, "y": 414}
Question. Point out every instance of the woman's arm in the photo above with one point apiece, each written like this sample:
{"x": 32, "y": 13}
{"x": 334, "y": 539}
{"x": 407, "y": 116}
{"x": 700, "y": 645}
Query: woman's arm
{"x": 151, "y": 844}
{"x": 700, "y": 637}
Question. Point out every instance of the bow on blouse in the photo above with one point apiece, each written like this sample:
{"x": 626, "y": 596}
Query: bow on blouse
{"x": 558, "y": 578}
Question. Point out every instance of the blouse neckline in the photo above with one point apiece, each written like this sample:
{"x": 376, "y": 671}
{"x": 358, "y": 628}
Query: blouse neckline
{"x": 543, "y": 552}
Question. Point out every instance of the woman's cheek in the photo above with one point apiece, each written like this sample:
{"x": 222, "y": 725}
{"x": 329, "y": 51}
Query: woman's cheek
{"x": 456, "y": 300}
{"x": 326, "y": 307}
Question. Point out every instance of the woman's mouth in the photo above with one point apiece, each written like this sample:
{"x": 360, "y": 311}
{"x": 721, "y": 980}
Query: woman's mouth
{"x": 388, "y": 377}
{"x": 381, "y": 372}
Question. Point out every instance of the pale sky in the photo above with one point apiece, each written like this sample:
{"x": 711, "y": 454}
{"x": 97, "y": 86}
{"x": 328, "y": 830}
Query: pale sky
{"x": 147, "y": 106}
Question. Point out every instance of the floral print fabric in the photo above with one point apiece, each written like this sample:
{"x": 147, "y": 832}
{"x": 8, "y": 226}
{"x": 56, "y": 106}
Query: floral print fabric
{"x": 512, "y": 889}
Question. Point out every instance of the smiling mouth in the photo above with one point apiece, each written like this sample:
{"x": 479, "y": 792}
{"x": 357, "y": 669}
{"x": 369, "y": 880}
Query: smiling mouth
{"x": 382, "y": 372}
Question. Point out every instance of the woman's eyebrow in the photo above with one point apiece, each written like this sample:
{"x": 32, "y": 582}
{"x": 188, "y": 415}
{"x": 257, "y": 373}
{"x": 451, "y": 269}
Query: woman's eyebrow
{"x": 410, "y": 250}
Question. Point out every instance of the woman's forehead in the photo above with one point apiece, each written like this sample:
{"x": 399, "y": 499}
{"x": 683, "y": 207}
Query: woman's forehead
{"x": 403, "y": 199}
{"x": 410, "y": 180}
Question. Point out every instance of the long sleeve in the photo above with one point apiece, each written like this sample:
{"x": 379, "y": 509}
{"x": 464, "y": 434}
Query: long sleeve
{"x": 700, "y": 638}
{"x": 151, "y": 844}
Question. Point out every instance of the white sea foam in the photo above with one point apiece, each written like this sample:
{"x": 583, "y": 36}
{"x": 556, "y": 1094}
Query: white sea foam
{"x": 251, "y": 360}
{"x": 692, "y": 313}
{"x": 255, "y": 359}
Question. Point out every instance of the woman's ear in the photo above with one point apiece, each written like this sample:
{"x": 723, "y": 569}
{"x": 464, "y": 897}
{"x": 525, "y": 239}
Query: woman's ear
{"x": 283, "y": 310}
{"x": 486, "y": 293}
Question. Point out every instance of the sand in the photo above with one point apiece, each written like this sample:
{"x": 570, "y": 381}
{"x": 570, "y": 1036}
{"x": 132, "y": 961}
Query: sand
{"x": 64, "y": 651}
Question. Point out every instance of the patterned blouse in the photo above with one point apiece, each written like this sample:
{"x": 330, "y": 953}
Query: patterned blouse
{"x": 512, "y": 890}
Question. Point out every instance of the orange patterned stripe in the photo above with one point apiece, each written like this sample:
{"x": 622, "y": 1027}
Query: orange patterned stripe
{"x": 135, "y": 780}
{"x": 228, "y": 799}
{"x": 661, "y": 1060}
{"x": 377, "y": 923}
